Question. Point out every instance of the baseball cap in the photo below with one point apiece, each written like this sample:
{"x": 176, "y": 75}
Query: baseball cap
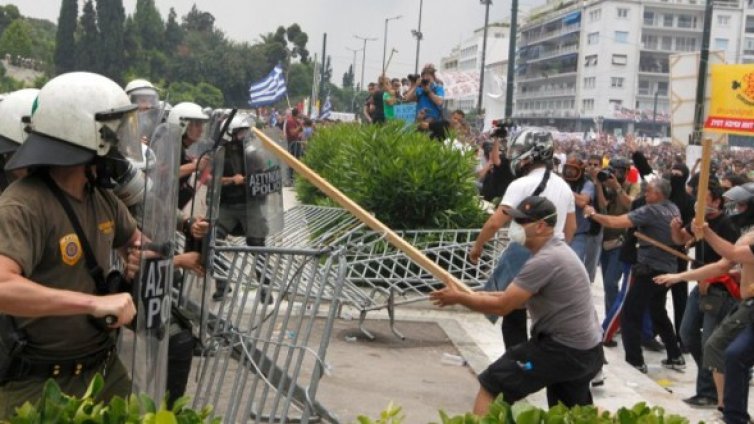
{"x": 534, "y": 208}
{"x": 740, "y": 194}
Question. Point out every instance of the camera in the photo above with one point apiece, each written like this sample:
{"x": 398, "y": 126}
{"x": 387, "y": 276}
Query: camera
{"x": 605, "y": 174}
{"x": 500, "y": 128}
{"x": 413, "y": 77}
{"x": 425, "y": 81}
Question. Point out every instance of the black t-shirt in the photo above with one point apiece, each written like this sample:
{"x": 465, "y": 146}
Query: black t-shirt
{"x": 497, "y": 180}
{"x": 185, "y": 190}
{"x": 723, "y": 227}
{"x": 234, "y": 164}
{"x": 379, "y": 107}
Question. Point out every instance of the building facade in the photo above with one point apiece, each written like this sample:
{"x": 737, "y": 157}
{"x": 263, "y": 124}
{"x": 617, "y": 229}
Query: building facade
{"x": 605, "y": 63}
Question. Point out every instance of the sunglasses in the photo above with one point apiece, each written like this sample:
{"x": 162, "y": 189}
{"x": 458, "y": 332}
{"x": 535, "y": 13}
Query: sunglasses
{"x": 524, "y": 221}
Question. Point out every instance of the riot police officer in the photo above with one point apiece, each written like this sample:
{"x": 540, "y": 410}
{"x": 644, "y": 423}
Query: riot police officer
{"x": 14, "y": 109}
{"x": 82, "y": 126}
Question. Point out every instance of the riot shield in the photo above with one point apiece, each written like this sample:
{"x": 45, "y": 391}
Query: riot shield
{"x": 264, "y": 191}
{"x": 151, "y": 288}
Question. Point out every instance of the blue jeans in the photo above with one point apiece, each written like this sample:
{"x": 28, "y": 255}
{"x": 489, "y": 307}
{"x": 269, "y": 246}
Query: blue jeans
{"x": 696, "y": 328}
{"x": 612, "y": 273}
{"x": 739, "y": 358}
{"x": 508, "y": 266}
{"x": 587, "y": 247}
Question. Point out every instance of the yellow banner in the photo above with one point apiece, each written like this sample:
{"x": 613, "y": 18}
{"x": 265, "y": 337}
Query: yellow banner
{"x": 732, "y": 102}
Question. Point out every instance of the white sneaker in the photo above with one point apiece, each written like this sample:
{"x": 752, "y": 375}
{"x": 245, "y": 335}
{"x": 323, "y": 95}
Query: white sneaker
{"x": 598, "y": 380}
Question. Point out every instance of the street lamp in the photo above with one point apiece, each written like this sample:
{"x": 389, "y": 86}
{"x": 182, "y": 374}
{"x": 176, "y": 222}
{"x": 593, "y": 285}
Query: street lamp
{"x": 364, "y": 56}
{"x": 418, "y": 34}
{"x": 486, "y": 4}
{"x": 384, "y": 46}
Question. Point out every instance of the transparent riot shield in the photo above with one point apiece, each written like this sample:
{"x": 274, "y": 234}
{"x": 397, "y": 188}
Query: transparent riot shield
{"x": 152, "y": 286}
{"x": 264, "y": 191}
{"x": 217, "y": 160}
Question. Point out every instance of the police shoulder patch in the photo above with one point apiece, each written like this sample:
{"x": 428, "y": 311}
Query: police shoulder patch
{"x": 70, "y": 249}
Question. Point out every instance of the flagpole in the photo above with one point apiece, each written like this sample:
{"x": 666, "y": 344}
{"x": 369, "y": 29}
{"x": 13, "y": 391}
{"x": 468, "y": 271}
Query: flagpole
{"x": 287, "y": 71}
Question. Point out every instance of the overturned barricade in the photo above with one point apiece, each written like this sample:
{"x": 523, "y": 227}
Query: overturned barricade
{"x": 264, "y": 351}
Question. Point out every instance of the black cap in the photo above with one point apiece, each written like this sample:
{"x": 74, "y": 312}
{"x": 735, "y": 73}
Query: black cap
{"x": 40, "y": 150}
{"x": 534, "y": 208}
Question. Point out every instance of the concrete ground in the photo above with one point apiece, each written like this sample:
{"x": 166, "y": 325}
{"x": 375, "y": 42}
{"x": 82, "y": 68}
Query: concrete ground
{"x": 480, "y": 343}
{"x": 364, "y": 376}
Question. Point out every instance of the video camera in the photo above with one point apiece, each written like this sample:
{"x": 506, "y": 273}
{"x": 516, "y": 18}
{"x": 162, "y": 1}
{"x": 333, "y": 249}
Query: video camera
{"x": 605, "y": 174}
{"x": 501, "y": 128}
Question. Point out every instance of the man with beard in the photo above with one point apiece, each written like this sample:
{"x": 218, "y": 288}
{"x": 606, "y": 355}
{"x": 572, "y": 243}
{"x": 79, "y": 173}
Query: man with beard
{"x": 586, "y": 242}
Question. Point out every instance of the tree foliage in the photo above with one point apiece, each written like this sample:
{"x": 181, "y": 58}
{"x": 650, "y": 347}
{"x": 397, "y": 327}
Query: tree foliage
{"x": 111, "y": 17}
{"x": 87, "y": 44}
{"x": 16, "y": 39}
{"x": 65, "y": 41}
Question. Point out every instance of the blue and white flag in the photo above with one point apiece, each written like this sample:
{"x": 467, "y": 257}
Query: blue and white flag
{"x": 326, "y": 109}
{"x": 268, "y": 91}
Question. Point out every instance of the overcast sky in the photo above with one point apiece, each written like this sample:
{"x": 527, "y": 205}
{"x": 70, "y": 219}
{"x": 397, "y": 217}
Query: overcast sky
{"x": 444, "y": 24}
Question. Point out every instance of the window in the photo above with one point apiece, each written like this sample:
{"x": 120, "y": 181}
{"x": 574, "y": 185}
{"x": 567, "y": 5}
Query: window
{"x": 749, "y": 46}
{"x": 622, "y": 13}
{"x": 666, "y": 43}
{"x": 644, "y": 87}
{"x": 649, "y": 42}
{"x": 621, "y": 37}
{"x": 590, "y": 60}
{"x": 616, "y": 82}
{"x": 615, "y": 103}
{"x": 750, "y": 24}
{"x": 620, "y": 59}
{"x": 686, "y": 21}
{"x": 723, "y": 20}
{"x": 649, "y": 18}
{"x": 593, "y": 38}
{"x": 667, "y": 20}
{"x": 685, "y": 44}
{"x": 590, "y": 82}
{"x": 721, "y": 44}
{"x": 587, "y": 104}
{"x": 595, "y": 15}
{"x": 662, "y": 88}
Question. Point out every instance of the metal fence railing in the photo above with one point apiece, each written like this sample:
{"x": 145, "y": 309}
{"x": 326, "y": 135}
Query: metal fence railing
{"x": 266, "y": 341}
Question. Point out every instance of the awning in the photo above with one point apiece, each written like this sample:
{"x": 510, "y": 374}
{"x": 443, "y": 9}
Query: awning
{"x": 572, "y": 18}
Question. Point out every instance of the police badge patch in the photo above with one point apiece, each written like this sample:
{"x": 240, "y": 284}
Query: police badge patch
{"x": 70, "y": 249}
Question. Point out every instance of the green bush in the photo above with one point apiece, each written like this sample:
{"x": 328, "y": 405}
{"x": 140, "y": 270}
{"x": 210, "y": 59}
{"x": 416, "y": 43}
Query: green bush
{"x": 56, "y": 407}
{"x": 407, "y": 180}
{"x": 523, "y": 413}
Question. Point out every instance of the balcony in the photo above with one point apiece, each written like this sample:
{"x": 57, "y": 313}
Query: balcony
{"x": 551, "y": 54}
{"x": 536, "y": 38}
{"x": 540, "y": 94}
{"x": 545, "y": 76}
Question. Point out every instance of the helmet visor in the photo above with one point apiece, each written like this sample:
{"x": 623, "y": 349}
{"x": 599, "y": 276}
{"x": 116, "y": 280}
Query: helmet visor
{"x": 148, "y": 121}
{"x": 129, "y": 135}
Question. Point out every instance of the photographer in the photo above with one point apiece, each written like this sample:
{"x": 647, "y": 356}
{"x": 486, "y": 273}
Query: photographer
{"x": 586, "y": 241}
{"x": 614, "y": 196}
{"x": 494, "y": 172}
{"x": 428, "y": 94}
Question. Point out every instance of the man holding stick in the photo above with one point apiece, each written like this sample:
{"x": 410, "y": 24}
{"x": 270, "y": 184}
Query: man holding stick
{"x": 652, "y": 219}
{"x": 564, "y": 352}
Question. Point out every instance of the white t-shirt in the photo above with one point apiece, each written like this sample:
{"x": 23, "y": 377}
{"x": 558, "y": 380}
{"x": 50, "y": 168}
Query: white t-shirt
{"x": 557, "y": 191}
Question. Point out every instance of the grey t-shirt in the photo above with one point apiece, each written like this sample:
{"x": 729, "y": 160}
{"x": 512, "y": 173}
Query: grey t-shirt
{"x": 561, "y": 304}
{"x": 653, "y": 220}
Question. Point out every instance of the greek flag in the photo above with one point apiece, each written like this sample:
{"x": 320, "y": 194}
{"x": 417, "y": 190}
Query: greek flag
{"x": 326, "y": 109}
{"x": 269, "y": 90}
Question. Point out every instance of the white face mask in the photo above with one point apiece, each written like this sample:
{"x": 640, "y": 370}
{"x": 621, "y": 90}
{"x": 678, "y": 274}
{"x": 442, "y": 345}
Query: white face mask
{"x": 516, "y": 233}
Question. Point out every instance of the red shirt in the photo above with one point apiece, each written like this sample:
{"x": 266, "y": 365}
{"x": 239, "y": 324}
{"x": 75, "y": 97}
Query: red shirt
{"x": 292, "y": 129}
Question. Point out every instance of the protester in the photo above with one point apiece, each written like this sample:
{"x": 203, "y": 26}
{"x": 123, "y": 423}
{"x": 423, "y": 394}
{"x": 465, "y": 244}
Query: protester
{"x": 428, "y": 94}
{"x": 564, "y": 352}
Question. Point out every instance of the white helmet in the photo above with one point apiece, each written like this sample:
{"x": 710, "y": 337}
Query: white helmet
{"x": 78, "y": 116}
{"x": 13, "y": 110}
{"x": 184, "y": 112}
{"x": 239, "y": 122}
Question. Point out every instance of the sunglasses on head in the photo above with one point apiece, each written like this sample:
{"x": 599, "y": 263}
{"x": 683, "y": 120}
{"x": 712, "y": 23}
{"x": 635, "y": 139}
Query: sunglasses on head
{"x": 524, "y": 221}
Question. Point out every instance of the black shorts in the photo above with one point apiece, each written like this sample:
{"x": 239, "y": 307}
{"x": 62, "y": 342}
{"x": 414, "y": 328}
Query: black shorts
{"x": 542, "y": 362}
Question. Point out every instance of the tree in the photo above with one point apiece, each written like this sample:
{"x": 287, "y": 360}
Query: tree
{"x": 348, "y": 77}
{"x": 88, "y": 40}
{"x": 111, "y": 18}
{"x": 65, "y": 41}
{"x": 199, "y": 21}
{"x": 173, "y": 33}
{"x": 149, "y": 26}
{"x": 8, "y": 14}
{"x": 298, "y": 38}
{"x": 16, "y": 39}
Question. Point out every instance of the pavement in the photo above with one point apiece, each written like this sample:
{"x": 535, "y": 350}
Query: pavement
{"x": 435, "y": 367}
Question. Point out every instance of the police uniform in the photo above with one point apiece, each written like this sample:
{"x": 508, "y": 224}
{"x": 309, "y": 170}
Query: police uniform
{"x": 37, "y": 234}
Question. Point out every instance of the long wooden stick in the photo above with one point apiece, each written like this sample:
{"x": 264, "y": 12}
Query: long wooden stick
{"x": 665, "y": 248}
{"x": 703, "y": 187}
{"x": 436, "y": 270}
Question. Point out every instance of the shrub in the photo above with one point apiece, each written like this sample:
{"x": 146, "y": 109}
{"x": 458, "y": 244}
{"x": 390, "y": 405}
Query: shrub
{"x": 407, "y": 180}
{"x": 56, "y": 407}
{"x": 501, "y": 412}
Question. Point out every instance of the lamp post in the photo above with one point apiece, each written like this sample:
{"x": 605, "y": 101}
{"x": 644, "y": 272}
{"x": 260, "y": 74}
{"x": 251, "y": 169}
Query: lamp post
{"x": 418, "y": 34}
{"x": 486, "y": 4}
{"x": 364, "y": 56}
{"x": 384, "y": 45}
{"x": 511, "y": 74}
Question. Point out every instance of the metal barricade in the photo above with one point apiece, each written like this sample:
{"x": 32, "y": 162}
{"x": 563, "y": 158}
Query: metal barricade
{"x": 265, "y": 351}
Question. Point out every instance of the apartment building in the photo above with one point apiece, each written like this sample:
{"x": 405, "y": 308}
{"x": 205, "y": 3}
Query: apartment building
{"x": 583, "y": 64}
